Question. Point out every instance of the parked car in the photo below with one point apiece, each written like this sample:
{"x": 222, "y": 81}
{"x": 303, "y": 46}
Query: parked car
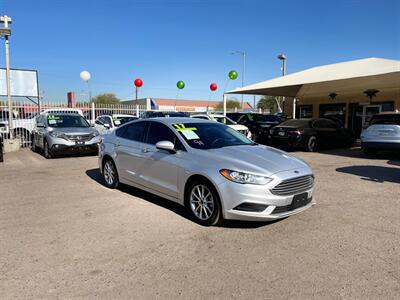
{"x": 163, "y": 114}
{"x": 224, "y": 120}
{"x": 23, "y": 125}
{"x": 311, "y": 134}
{"x": 383, "y": 133}
{"x": 61, "y": 133}
{"x": 213, "y": 170}
{"x": 105, "y": 123}
{"x": 258, "y": 124}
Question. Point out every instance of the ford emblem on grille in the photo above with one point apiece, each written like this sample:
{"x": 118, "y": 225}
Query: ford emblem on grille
{"x": 297, "y": 172}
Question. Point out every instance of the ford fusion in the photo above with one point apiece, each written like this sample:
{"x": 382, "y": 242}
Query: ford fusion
{"x": 214, "y": 171}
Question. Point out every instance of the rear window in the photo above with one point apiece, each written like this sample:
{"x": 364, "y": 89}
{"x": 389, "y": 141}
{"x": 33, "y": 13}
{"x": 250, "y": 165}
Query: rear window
{"x": 296, "y": 123}
{"x": 385, "y": 119}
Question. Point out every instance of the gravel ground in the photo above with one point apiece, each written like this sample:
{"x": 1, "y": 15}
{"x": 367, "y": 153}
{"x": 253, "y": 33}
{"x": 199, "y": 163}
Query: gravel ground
{"x": 64, "y": 235}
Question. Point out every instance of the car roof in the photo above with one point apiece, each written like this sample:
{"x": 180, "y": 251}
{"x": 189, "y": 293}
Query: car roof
{"x": 169, "y": 121}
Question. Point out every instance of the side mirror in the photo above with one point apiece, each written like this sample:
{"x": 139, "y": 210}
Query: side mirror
{"x": 107, "y": 126}
{"x": 166, "y": 145}
{"x": 40, "y": 125}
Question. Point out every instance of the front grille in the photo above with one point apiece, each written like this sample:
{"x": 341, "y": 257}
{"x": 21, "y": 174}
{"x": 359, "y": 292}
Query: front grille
{"x": 293, "y": 186}
{"x": 80, "y": 138}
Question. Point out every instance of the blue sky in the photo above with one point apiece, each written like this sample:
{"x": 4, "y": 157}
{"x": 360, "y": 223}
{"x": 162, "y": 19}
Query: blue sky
{"x": 190, "y": 40}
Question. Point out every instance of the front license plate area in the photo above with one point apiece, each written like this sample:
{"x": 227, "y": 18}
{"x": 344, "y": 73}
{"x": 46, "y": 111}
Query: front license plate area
{"x": 299, "y": 201}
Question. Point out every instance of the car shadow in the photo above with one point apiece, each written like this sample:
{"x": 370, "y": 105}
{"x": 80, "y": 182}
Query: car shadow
{"x": 178, "y": 209}
{"x": 378, "y": 174}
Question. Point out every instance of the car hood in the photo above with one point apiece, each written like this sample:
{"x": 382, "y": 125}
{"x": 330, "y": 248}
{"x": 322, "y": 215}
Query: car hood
{"x": 75, "y": 130}
{"x": 256, "y": 159}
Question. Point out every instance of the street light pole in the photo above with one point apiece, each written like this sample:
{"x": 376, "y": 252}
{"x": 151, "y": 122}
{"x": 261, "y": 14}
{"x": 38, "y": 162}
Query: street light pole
{"x": 6, "y": 33}
{"x": 243, "y": 53}
{"x": 282, "y": 57}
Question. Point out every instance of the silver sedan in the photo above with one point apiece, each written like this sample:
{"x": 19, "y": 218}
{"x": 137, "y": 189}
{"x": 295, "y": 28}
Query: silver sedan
{"x": 210, "y": 168}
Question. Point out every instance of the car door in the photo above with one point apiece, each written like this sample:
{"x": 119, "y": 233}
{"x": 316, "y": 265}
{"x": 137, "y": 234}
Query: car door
{"x": 162, "y": 167}
{"x": 326, "y": 134}
{"x": 130, "y": 158}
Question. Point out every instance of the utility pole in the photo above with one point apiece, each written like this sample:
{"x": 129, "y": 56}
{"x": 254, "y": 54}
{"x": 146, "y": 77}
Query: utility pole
{"x": 6, "y": 32}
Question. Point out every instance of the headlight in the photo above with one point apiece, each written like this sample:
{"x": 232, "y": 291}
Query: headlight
{"x": 243, "y": 178}
{"x": 57, "y": 134}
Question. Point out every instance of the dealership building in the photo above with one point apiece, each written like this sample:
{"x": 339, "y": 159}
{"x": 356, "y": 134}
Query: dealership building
{"x": 348, "y": 92}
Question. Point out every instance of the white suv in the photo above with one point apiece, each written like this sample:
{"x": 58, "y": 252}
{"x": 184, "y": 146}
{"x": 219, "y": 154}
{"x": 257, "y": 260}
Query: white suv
{"x": 224, "y": 120}
{"x": 383, "y": 133}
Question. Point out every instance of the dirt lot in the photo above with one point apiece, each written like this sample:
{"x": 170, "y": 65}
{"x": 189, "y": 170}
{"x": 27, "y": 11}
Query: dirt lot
{"x": 64, "y": 235}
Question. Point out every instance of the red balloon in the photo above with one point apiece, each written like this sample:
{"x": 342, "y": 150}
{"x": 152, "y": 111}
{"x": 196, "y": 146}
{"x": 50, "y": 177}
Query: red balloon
{"x": 138, "y": 82}
{"x": 213, "y": 86}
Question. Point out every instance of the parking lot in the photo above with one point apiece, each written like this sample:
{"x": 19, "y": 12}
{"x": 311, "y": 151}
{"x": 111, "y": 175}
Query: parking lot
{"x": 64, "y": 235}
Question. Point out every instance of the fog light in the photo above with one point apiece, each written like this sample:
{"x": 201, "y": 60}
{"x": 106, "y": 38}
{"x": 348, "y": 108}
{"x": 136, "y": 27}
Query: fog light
{"x": 247, "y": 206}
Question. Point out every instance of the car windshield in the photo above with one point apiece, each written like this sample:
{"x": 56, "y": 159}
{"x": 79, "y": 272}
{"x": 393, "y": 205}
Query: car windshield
{"x": 119, "y": 120}
{"x": 62, "y": 121}
{"x": 256, "y": 117}
{"x": 386, "y": 119}
{"x": 223, "y": 120}
{"x": 210, "y": 135}
{"x": 296, "y": 123}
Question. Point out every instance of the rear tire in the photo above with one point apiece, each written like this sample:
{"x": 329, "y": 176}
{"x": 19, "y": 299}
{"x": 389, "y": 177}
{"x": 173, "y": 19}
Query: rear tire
{"x": 311, "y": 145}
{"x": 203, "y": 203}
{"x": 110, "y": 174}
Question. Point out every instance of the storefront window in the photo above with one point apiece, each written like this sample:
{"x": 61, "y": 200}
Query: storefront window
{"x": 304, "y": 111}
{"x": 335, "y": 112}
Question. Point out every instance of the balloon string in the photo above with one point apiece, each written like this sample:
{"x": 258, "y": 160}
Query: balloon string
{"x": 177, "y": 94}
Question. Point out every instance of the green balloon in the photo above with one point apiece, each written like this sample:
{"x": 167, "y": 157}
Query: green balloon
{"x": 233, "y": 74}
{"x": 180, "y": 84}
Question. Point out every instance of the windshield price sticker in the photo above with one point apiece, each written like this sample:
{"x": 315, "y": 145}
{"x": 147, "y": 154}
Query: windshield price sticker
{"x": 51, "y": 121}
{"x": 188, "y": 132}
{"x": 51, "y": 117}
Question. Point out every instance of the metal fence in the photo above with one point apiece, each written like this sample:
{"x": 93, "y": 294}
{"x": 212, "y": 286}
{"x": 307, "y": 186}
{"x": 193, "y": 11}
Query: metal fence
{"x": 25, "y": 112}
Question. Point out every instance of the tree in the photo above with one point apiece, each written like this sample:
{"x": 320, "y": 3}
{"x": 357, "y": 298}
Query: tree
{"x": 271, "y": 103}
{"x": 230, "y": 104}
{"x": 106, "y": 99}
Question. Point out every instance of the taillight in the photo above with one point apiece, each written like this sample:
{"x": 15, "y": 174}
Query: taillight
{"x": 296, "y": 132}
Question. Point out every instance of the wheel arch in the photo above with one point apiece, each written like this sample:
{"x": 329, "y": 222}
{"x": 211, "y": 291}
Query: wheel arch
{"x": 195, "y": 177}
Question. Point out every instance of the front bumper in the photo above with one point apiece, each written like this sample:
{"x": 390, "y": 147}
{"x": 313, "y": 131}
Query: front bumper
{"x": 275, "y": 207}
{"x": 59, "y": 145}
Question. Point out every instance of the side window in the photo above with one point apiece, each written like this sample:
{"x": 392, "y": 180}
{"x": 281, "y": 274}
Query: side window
{"x": 133, "y": 131}
{"x": 107, "y": 120}
{"x": 242, "y": 119}
{"x": 324, "y": 124}
{"x": 159, "y": 132}
{"x": 99, "y": 121}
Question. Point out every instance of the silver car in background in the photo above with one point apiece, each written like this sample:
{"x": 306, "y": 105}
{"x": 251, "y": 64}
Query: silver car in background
{"x": 383, "y": 133}
{"x": 62, "y": 133}
{"x": 214, "y": 171}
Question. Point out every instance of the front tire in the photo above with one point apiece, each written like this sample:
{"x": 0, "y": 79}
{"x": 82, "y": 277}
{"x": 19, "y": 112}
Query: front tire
{"x": 47, "y": 152}
{"x": 311, "y": 145}
{"x": 110, "y": 174}
{"x": 203, "y": 203}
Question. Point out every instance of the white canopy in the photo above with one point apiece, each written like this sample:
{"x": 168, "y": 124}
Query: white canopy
{"x": 342, "y": 78}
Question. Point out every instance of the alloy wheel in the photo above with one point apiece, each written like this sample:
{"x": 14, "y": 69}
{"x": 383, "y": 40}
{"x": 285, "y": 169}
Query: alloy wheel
{"x": 109, "y": 173}
{"x": 202, "y": 202}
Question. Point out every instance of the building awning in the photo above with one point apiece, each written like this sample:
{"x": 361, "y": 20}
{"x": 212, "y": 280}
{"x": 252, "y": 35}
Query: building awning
{"x": 342, "y": 78}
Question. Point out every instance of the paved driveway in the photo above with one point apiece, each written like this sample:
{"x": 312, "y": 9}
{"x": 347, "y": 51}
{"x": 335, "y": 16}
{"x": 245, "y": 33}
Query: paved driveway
{"x": 64, "y": 235}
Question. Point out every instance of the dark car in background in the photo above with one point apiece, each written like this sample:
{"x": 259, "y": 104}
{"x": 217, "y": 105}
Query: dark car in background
{"x": 1, "y": 149}
{"x": 258, "y": 124}
{"x": 164, "y": 114}
{"x": 311, "y": 135}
